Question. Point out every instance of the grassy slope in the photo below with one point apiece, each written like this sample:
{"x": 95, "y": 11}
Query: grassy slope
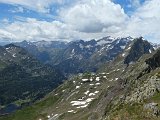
{"x": 135, "y": 111}
{"x": 34, "y": 111}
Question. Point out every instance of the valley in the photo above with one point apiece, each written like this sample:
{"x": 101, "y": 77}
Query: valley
{"x": 125, "y": 87}
{"x": 79, "y": 60}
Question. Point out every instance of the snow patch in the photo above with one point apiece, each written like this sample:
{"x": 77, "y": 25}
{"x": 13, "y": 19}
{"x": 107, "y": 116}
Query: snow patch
{"x": 71, "y": 111}
{"x": 123, "y": 55}
{"x": 86, "y": 93}
{"x": 7, "y": 48}
{"x": 111, "y": 80}
{"x": 77, "y": 87}
{"x": 116, "y": 79}
{"x": 98, "y": 83}
{"x": 54, "y": 117}
{"x": 63, "y": 90}
{"x": 87, "y": 101}
{"x": 91, "y": 79}
{"x": 91, "y": 94}
{"x": 91, "y": 84}
{"x": 128, "y": 48}
{"x": 104, "y": 76}
{"x": 14, "y": 55}
{"x": 78, "y": 103}
{"x": 97, "y": 79}
{"x": 72, "y": 51}
{"x": 122, "y": 47}
{"x": 48, "y": 116}
{"x": 81, "y": 46}
{"x": 90, "y": 99}
{"x": 103, "y": 73}
{"x": 96, "y": 92}
{"x": 85, "y": 80}
{"x": 88, "y": 46}
{"x": 82, "y": 106}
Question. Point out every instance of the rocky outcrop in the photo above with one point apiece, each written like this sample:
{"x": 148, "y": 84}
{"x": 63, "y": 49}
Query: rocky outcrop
{"x": 154, "y": 61}
{"x": 153, "y": 107}
{"x": 137, "y": 49}
{"x": 148, "y": 89}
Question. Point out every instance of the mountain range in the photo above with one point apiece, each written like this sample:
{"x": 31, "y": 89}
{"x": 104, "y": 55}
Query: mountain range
{"x": 77, "y": 56}
{"x": 110, "y": 79}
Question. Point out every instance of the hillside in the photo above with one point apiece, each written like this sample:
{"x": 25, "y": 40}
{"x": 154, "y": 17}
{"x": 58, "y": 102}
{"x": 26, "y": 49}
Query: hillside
{"x": 118, "y": 91}
{"x": 23, "y": 79}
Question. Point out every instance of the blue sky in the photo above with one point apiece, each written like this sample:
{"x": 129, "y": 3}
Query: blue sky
{"x": 10, "y": 11}
{"x": 128, "y": 5}
{"x": 78, "y": 19}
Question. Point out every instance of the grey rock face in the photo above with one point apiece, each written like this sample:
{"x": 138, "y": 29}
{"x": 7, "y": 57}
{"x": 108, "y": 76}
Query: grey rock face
{"x": 153, "y": 107}
{"x": 145, "y": 91}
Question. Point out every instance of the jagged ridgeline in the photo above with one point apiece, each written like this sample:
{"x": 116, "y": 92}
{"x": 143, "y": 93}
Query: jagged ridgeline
{"x": 23, "y": 79}
{"x": 139, "y": 48}
{"x": 77, "y": 56}
{"x": 118, "y": 91}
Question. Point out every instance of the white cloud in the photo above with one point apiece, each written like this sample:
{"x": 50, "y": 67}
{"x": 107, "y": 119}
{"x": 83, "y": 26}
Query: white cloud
{"x": 94, "y": 16}
{"x": 150, "y": 8}
{"x": 18, "y": 9}
{"x": 145, "y": 21}
{"x": 88, "y": 19}
{"x": 32, "y": 29}
{"x": 83, "y": 20}
{"x": 6, "y": 34}
{"x": 135, "y": 3}
{"x": 37, "y": 5}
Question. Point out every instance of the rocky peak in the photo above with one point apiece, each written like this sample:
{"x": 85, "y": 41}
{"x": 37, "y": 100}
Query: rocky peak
{"x": 138, "y": 48}
{"x": 10, "y": 46}
{"x": 153, "y": 62}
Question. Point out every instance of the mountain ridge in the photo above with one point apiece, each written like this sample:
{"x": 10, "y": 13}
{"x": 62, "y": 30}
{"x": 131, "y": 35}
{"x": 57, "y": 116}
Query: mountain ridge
{"x": 116, "y": 91}
{"x": 31, "y": 78}
{"x": 80, "y": 55}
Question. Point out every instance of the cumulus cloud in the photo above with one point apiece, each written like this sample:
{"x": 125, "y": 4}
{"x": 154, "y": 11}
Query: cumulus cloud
{"x": 84, "y": 19}
{"x": 145, "y": 21}
{"x": 32, "y": 29}
{"x": 88, "y": 19}
{"x": 135, "y": 3}
{"x": 37, "y": 5}
{"x": 94, "y": 16}
{"x": 35, "y": 30}
{"x": 18, "y": 9}
{"x": 5, "y": 34}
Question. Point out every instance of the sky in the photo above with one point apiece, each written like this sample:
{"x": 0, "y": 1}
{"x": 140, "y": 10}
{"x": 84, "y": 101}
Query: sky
{"x": 36, "y": 20}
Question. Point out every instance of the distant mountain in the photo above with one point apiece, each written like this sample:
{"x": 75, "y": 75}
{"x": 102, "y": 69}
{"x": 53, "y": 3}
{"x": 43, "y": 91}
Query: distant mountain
{"x": 4, "y": 41}
{"x": 118, "y": 91}
{"x": 139, "y": 47}
{"x": 155, "y": 45}
{"x": 23, "y": 79}
{"x": 77, "y": 56}
{"x": 82, "y": 56}
{"x": 45, "y": 51}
